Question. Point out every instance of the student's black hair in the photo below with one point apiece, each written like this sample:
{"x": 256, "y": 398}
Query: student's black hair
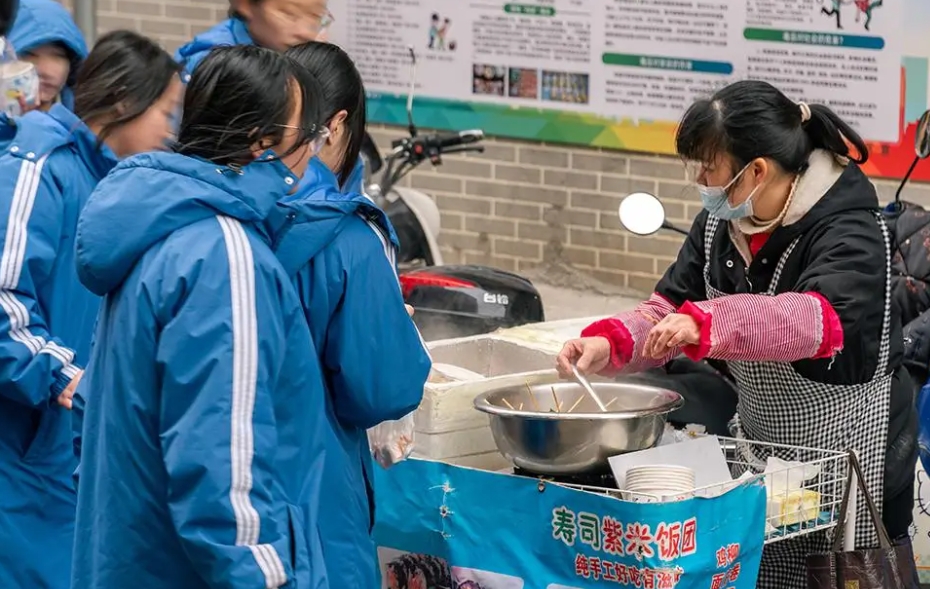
{"x": 435, "y": 16}
{"x": 124, "y": 75}
{"x": 241, "y": 94}
{"x": 751, "y": 119}
{"x": 342, "y": 90}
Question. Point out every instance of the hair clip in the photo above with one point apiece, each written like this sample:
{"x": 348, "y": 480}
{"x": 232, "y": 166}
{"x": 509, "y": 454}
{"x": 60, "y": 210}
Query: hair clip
{"x": 805, "y": 112}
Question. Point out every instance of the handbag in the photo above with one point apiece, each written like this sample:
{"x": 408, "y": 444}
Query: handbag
{"x": 886, "y": 567}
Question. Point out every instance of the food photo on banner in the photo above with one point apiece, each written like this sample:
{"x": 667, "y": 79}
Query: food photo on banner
{"x": 441, "y": 526}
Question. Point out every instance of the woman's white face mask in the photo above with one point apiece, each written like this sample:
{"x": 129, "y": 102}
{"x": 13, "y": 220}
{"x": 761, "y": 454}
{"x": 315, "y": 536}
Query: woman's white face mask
{"x": 716, "y": 201}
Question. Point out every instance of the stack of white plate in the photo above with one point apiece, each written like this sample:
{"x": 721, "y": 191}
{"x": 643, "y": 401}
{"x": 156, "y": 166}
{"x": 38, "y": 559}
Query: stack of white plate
{"x": 659, "y": 482}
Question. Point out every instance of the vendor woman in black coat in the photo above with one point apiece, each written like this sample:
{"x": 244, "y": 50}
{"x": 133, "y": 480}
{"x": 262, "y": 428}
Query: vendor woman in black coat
{"x": 785, "y": 277}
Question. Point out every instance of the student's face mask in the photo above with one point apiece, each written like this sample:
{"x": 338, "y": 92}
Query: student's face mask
{"x": 716, "y": 201}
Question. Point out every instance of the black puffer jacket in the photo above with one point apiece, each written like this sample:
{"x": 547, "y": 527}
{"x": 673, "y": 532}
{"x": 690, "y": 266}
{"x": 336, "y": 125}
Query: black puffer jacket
{"x": 911, "y": 285}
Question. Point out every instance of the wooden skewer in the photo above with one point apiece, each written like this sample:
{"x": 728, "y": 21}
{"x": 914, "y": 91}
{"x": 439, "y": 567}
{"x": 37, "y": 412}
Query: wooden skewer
{"x": 555, "y": 398}
{"x": 529, "y": 391}
{"x": 521, "y": 406}
{"x": 506, "y": 402}
{"x": 578, "y": 402}
{"x": 608, "y": 403}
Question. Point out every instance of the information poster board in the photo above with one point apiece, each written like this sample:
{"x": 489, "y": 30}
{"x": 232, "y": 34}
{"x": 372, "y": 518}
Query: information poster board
{"x": 620, "y": 73}
{"x": 443, "y": 526}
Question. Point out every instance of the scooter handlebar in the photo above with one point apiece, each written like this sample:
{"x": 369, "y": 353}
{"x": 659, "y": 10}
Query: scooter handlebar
{"x": 444, "y": 142}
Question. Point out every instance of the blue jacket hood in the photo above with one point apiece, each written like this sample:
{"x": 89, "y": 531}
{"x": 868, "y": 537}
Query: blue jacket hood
{"x": 38, "y": 134}
{"x": 231, "y": 31}
{"x": 149, "y": 196}
{"x": 320, "y": 210}
{"x": 40, "y": 22}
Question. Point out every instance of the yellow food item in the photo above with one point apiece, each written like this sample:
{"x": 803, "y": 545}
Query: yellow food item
{"x": 793, "y": 507}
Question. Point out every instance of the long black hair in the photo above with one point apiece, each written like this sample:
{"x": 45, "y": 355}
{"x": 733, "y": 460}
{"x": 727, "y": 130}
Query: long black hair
{"x": 241, "y": 94}
{"x": 122, "y": 77}
{"x": 342, "y": 90}
{"x": 751, "y": 119}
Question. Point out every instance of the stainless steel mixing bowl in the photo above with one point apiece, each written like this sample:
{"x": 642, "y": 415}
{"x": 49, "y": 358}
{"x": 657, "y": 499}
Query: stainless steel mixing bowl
{"x": 539, "y": 439}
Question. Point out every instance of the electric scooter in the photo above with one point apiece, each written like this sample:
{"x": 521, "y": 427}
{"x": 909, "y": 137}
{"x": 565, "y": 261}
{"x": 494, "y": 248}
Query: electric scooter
{"x": 450, "y": 301}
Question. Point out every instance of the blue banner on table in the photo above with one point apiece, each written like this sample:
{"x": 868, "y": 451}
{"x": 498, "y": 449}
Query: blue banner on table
{"x": 484, "y": 530}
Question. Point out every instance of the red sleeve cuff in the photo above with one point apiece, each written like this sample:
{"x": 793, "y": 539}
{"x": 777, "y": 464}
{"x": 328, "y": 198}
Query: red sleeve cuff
{"x": 832, "y": 340}
{"x": 703, "y": 319}
{"x": 621, "y": 342}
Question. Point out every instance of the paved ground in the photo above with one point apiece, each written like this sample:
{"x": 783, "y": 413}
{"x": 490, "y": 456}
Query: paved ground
{"x": 569, "y": 294}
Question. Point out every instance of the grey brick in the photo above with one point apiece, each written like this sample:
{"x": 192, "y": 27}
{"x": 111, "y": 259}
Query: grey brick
{"x": 559, "y": 216}
{"x": 465, "y": 241}
{"x": 661, "y": 244}
{"x": 460, "y": 166}
{"x": 518, "y": 173}
{"x": 541, "y": 232}
{"x": 579, "y": 256}
{"x": 451, "y": 221}
{"x": 582, "y": 180}
{"x": 451, "y": 255}
{"x": 595, "y": 201}
{"x": 625, "y": 262}
{"x": 657, "y": 168}
{"x": 517, "y": 192}
{"x": 511, "y": 210}
{"x": 642, "y": 283}
{"x": 509, "y": 264}
{"x": 678, "y": 191}
{"x": 610, "y": 278}
{"x": 431, "y": 183}
{"x": 158, "y": 27}
{"x": 594, "y": 162}
{"x": 544, "y": 157}
{"x": 597, "y": 239}
{"x": 527, "y": 265}
{"x": 463, "y": 204}
{"x": 187, "y": 12}
{"x": 609, "y": 221}
{"x": 624, "y": 186}
{"x": 490, "y": 226}
{"x": 139, "y": 8}
{"x": 110, "y": 23}
{"x": 498, "y": 153}
{"x": 517, "y": 248}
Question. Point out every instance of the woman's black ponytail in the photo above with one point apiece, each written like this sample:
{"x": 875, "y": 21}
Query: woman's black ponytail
{"x": 828, "y": 131}
{"x": 751, "y": 119}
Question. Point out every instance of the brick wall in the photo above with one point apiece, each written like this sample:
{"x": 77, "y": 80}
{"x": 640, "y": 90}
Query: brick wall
{"x": 520, "y": 204}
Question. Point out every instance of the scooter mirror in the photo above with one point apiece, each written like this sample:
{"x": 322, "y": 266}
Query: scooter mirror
{"x": 641, "y": 213}
{"x": 922, "y": 139}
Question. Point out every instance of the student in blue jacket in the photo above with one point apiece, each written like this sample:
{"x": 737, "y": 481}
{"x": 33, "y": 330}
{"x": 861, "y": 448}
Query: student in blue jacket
{"x": 278, "y": 25}
{"x": 203, "y": 444}
{"x": 341, "y": 255}
{"x": 46, "y": 317}
{"x": 45, "y": 34}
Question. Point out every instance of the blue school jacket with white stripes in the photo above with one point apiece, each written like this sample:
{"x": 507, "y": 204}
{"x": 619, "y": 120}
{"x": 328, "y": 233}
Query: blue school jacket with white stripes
{"x": 47, "y": 172}
{"x": 340, "y": 253}
{"x": 202, "y": 454}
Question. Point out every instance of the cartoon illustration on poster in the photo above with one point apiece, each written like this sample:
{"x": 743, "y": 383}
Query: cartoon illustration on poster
{"x": 620, "y": 73}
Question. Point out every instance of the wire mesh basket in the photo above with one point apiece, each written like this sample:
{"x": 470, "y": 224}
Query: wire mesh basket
{"x": 801, "y": 499}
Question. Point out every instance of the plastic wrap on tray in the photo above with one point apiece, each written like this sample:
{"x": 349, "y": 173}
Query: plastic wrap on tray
{"x": 392, "y": 441}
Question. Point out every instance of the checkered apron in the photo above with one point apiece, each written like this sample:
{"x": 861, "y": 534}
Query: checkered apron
{"x": 778, "y": 405}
